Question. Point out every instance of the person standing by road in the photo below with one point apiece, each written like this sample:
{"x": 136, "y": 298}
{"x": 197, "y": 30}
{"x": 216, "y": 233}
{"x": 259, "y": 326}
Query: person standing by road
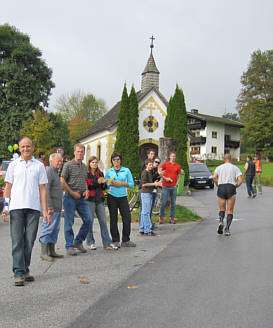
{"x": 227, "y": 177}
{"x": 171, "y": 179}
{"x": 250, "y": 172}
{"x": 73, "y": 180}
{"x": 257, "y": 179}
{"x": 119, "y": 178}
{"x": 25, "y": 192}
{"x": 148, "y": 185}
{"x": 49, "y": 233}
{"x": 96, "y": 183}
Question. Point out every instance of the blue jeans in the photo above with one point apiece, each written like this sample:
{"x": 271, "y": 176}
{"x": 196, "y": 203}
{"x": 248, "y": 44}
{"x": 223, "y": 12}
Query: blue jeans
{"x": 166, "y": 192}
{"x": 249, "y": 188}
{"x": 70, "y": 207}
{"x": 99, "y": 209}
{"x": 49, "y": 233}
{"x": 23, "y": 231}
{"x": 145, "y": 218}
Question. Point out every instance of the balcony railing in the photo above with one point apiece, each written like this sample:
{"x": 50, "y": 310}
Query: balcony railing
{"x": 198, "y": 140}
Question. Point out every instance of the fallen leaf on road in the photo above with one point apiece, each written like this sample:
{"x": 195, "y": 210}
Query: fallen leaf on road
{"x": 151, "y": 262}
{"x": 133, "y": 287}
{"x": 161, "y": 249}
{"x": 82, "y": 277}
{"x": 157, "y": 235}
{"x": 136, "y": 256}
{"x": 84, "y": 282}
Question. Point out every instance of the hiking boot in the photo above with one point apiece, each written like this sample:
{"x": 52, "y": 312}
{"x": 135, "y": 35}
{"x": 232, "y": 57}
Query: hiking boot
{"x": 128, "y": 243}
{"x": 44, "y": 253}
{"x": 28, "y": 277}
{"x": 160, "y": 220}
{"x": 254, "y": 195}
{"x": 172, "y": 221}
{"x": 227, "y": 232}
{"x": 19, "y": 281}
{"x": 71, "y": 251}
{"x": 52, "y": 253}
{"x": 220, "y": 228}
{"x": 79, "y": 247}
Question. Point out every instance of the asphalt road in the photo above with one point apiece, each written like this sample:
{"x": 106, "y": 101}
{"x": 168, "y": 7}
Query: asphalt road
{"x": 200, "y": 279}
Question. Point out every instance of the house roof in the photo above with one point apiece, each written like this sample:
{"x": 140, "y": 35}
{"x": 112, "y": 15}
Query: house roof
{"x": 110, "y": 119}
{"x": 216, "y": 119}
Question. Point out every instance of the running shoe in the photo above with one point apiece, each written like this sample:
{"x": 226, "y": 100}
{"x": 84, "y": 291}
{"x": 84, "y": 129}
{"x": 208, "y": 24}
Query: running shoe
{"x": 227, "y": 232}
{"x": 220, "y": 228}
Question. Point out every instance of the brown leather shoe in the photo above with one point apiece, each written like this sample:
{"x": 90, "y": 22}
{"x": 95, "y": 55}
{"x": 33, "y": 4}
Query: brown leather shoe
{"x": 19, "y": 281}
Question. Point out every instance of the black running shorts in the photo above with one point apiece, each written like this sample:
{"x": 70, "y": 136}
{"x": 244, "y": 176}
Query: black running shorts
{"x": 225, "y": 191}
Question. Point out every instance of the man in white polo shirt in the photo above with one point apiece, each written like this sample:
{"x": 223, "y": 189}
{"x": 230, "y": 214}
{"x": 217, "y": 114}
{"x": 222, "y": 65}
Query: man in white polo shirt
{"x": 227, "y": 177}
{"x": 25, "y": 192}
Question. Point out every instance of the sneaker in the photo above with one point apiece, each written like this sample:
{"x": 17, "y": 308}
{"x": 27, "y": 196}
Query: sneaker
{"x": 160, "y": 220}
{"x": 28, "y": 277}
{"x": 71, "y": 251}
{"x": 111, "y": 247}
{"x": 141, "y": 233}
{"x": 128, "y": 243}
{"x": 254, "y": 195}
{"x": 172, "y": 221}
{"x": 92, "y": 247}
{"x": 227, "y": 232}
{"x": 150, "y": 234}
{"x": 79, "y": 247}
{"x": 220, "y": 228}
{"x": 19, "y": 281}
{"x": 117, "y": 244}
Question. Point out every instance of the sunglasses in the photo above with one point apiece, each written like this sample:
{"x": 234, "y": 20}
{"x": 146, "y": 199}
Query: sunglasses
{"x": 116, "y": 159}
{"x": 157, "y": 162}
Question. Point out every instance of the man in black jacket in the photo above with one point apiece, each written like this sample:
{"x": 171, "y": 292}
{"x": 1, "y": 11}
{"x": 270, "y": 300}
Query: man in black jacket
{"x": 250, "y": 172}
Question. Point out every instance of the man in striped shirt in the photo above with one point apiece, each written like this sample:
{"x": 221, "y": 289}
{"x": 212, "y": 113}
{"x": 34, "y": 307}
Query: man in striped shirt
{"x": 73, "y": 180}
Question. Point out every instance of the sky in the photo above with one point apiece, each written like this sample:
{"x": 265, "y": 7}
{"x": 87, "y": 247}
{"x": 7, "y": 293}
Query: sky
{"x": 97, "y": 46}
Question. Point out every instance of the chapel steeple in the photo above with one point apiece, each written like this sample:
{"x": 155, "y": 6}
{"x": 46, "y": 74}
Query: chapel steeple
{"x": 150, "y": 75}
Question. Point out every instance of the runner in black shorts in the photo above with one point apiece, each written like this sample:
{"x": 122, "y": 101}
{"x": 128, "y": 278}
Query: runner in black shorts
{"x": 227, "y": 177}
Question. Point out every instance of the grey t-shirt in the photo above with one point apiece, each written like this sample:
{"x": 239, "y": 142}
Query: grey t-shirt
{"x": 227, "y": 173}
{"x": 75, "y": 175}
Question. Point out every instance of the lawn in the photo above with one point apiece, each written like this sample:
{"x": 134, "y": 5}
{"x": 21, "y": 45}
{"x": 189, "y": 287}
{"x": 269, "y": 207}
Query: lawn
{"x": 182, "y": 214}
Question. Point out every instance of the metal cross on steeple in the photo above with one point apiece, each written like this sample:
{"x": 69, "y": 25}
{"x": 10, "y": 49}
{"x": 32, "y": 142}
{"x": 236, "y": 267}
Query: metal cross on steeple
{"x": 152, "y": 43}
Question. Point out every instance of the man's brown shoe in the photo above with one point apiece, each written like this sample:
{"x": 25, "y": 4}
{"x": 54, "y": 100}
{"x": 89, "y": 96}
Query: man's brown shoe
{"x": 79, "y": 247}
{"x": 71, "y": 251}
{"x": 28, "y": 277}
{"x": 19, "y": 281}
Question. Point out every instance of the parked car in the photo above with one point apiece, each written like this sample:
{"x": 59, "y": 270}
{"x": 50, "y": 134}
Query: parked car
{"x": 200, "y": 176}
{"x": 3, "y": 168}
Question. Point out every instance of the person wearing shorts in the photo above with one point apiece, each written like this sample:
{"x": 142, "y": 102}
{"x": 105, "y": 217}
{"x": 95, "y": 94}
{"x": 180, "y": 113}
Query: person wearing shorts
{"x": 227, "y": 177}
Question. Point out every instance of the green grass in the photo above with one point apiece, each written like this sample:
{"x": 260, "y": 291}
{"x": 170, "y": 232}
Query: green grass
{"x": 182, "y": 214}
{"x": 267, "y": 174}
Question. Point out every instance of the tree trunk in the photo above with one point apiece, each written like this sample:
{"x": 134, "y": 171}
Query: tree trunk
{"x": 166, "y": 145}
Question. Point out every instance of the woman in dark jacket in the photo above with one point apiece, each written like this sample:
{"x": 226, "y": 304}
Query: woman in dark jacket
{"x": 96, "y": 185}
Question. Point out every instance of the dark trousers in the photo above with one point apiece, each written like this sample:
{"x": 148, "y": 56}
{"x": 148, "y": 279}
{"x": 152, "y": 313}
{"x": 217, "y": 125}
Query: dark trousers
{"x": 121, "y": 204}
{"x": 249, "y": 188}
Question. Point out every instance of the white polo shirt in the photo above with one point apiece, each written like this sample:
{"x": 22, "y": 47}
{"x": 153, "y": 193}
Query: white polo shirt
{"x": 227, "y": 173}
{"x": 25, "y": 179}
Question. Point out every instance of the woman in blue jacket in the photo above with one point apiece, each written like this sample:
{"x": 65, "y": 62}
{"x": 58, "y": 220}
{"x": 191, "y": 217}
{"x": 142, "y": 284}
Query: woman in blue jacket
{"x": 119, "y": 178}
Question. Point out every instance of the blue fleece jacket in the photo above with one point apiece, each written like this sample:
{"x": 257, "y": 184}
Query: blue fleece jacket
{"x": 124, "y": 175}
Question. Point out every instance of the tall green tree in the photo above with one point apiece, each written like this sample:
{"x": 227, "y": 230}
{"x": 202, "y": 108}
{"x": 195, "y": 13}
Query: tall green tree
{"x": 255, "y": 101}
{"x": 176, "y": 127}
{"x": 81, "y": 104}
{"x": 132, "y": 156}
{"x": 231, "y": 116}
{"x": 25, "y": 83}
{"x": 121, "y": 144}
